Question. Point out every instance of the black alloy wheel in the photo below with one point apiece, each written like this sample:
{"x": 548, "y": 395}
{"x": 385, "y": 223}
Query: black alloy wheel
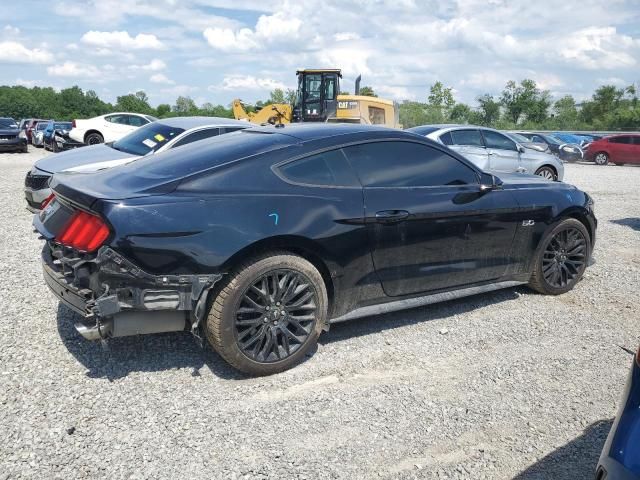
{"x": 561, "y": 258}
{"x": 564, "y": 258}
{"x": 276, "y": 315}
{"x": 267, "y": 314}
{"x": 94, "y": 139}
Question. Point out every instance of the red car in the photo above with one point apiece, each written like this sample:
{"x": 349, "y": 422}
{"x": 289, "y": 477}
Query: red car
{"x": 618, "y": 149}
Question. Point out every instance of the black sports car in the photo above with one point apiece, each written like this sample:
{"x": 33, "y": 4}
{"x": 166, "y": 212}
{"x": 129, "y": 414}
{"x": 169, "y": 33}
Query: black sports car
{"x": 569, "y": 152}
{"x": 257, "y": 240}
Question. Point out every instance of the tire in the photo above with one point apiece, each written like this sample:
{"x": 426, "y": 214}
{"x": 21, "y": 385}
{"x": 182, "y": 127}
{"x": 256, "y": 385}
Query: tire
{"x": 548, "y": 173}
{"x": 25, "y": 149}
{"x": 271, "y": 350}
{"x": 561, "y": 258}
{"x": 601, "y": 158}
{"x": 54, "y": 147}
{"x": 93, "y": 139}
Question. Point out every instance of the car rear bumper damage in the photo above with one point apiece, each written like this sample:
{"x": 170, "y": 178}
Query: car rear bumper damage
{"x": 116, "y": 298}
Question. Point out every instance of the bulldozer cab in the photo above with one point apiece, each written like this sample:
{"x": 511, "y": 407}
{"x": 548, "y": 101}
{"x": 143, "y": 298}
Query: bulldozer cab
{"x": 317, "y": 95}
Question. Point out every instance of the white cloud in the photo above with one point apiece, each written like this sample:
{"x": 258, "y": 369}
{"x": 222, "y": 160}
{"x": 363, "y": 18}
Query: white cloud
{"x": 76, "y": 70}
{"x": 14, "y": 52}
{"x": 11, "y": 31}
{"x": 345, "y": 36}
{"x": 26, "y": 83}
{"x": 161, "y": 78}
{"x": 122, "y": 40}
{"x": 179, "y": 90}
{"x": 247, "y": 82}
{"x": 270, "y": 29}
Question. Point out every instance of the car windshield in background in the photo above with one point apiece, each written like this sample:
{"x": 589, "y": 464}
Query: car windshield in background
{"x": 148, "y": 138}
{"x": 62, "y": 126}
{"x": 42, "y": 125}
{"x": 8, "y": 123}
{"x": 426, "y": 130}
{"x": 554, "y": 140}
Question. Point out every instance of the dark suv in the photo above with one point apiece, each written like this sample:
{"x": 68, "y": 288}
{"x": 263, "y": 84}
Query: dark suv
{"x": 11, "y": 137}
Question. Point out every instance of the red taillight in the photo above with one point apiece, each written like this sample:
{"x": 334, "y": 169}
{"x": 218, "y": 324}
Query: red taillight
{"x": 84, "y": 232}
{"x": 73, "y": 123}
{"x": 47, "y": 201}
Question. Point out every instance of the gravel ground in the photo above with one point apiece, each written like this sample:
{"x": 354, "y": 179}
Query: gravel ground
{"x": 504, "y": 385}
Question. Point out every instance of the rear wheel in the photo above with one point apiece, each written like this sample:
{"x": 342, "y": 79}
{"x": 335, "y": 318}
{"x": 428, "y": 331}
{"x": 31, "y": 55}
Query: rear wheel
{"x": 268, "y": 314}
{"x": 601, "y": 158}
{"x": 94, "y": 139}
{"x": 547, "y": 172}
{"x": 561, "y": 258}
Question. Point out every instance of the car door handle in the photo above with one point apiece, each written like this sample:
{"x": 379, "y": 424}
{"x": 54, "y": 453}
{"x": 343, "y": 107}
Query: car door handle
{"x": 391, "y": 216}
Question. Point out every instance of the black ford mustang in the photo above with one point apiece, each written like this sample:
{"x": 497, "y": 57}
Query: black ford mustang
{"x": 256, "y": 240}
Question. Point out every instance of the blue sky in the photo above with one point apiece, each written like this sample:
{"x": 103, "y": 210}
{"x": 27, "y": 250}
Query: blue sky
{"x": 217, "y": 50}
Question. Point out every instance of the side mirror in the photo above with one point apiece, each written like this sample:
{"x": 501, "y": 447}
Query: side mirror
{"x": 489, "y": 182}
{"x": 521, "y": 149}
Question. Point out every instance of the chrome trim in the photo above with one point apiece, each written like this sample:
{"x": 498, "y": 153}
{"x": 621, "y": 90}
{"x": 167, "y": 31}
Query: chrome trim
{"x": 422, "y": 301}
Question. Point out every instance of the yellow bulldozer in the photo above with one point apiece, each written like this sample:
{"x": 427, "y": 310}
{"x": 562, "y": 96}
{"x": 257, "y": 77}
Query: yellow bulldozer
{"x": 318, "y": 99}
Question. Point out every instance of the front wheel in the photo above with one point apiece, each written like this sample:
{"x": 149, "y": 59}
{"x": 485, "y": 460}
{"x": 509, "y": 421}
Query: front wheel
{"x": 601, "y": 159}
{"x": 547, "y": 172}
{"x": 268, "y": 314}
{"x": 561, "y": 258}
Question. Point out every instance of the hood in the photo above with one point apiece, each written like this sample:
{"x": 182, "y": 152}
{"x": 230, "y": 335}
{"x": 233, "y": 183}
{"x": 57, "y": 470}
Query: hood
{"x": 523, "y": 180}
{"x": 80, "y": 156}
{"x": 539, "y": 147}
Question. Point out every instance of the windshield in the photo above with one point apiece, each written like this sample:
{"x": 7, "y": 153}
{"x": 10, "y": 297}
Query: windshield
{"x": 62, "y": 126}
{"x": 148, "y": 138}
{"x": 554, "y": 140}
{"x": 423, "y": 130}
{"x": 8, "y": 123}
{"x": 42, "y": 125}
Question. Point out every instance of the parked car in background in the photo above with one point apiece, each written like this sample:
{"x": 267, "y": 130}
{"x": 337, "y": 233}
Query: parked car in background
{"x": 37, "y": 134}
{"x": 56, "y": 138}
{"x": 31, "y": 126}
{"x": 564, "y": 151}
{"x": 526, "y": 143}
{"x": 151, "y": 139}
{"x": 617, "y": 149}
{"x": 256, "y": 240}
{"x": 11, "y": 137}
{"x": 107, "y": 128}
{"x": 493, "y": 151}
{"x": 620, "y": 458}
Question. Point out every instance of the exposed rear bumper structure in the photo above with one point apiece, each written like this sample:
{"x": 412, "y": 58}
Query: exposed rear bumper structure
{"x": 117, "y": 299}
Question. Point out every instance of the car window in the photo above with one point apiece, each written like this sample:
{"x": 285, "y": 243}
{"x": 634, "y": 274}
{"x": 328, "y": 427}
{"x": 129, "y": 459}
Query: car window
{"x": 326, "y": 168}
{"x": 8, "y": 123}
{"x": 498, "y": 141}
{"x": 623, "y": 139}
{"x": 119, "y": 119}
{"x": 446, "y": 138}
{"x": 537, "y": 138}
{"x": 145, "y": 139}
{"x": 195, "y": 136}
{"x": 231, "y": 129}
{"x": 466, "y": 137}
{"x": 636, "y": 140}
{"x": 136, "y": 121}
{"x": 407, "y": 164}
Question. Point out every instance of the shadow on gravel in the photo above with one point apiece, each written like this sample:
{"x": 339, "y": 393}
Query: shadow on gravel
{"x": 142, "y": 353}
{"x": 388, "y": 321}
{"x": 576, "y": 459}
{"x": 630, "y": 222}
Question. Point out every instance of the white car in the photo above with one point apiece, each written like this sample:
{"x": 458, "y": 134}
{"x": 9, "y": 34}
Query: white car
{"x": 107, "y": 128}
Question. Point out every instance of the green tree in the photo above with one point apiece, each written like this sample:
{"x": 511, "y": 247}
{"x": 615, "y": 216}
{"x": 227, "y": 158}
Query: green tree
{"x": 185, "y": 106}
{"x": 367, "y": 91}
{"x": 137, "y": 102}
{"x": 566, "y": 113}
{"x": 488, "y": 110}
{"x": 525, "y": 100}
{"x": 163, "y": 110}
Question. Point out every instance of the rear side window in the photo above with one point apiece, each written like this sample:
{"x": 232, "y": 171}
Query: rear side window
{"x": 622, "y": 140}
{"x": 120, "y": 119}
{"x": 498, "y": 141}
{"x": 446, "y": 138}
{"x": 636, "y": 140}
{"x": 466, "y": 137}
{"x": 135, "y": 121}
{"x": 199, "y": 135}
{"x": 407, "y": 164}
{"x": 323, "y": 169}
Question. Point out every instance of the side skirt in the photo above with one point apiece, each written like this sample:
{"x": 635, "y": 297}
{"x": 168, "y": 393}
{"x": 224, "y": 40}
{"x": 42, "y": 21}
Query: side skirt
{"x": 408, "y": 303}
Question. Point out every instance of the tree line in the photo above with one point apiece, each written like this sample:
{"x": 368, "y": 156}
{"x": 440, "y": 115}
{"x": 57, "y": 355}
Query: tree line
{"x": 520, "y": 105}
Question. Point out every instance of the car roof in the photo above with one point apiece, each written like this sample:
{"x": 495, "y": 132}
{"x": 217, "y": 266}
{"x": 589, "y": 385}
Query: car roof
{"x": 193, "y": 122}
{"x": 316, "y": 131}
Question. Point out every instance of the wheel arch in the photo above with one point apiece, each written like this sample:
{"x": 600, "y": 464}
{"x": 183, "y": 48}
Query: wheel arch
{"x": 89, "y": 132}
{"x": 311, "y": 251}
{"x": 548, "y": 165}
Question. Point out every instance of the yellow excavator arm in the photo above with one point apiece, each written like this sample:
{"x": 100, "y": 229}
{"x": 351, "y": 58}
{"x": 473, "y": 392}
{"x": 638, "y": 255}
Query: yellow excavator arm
{"x": 273, "y": 113}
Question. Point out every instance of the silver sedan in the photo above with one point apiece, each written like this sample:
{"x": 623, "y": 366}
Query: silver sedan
{"x": 492, "y": 150}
